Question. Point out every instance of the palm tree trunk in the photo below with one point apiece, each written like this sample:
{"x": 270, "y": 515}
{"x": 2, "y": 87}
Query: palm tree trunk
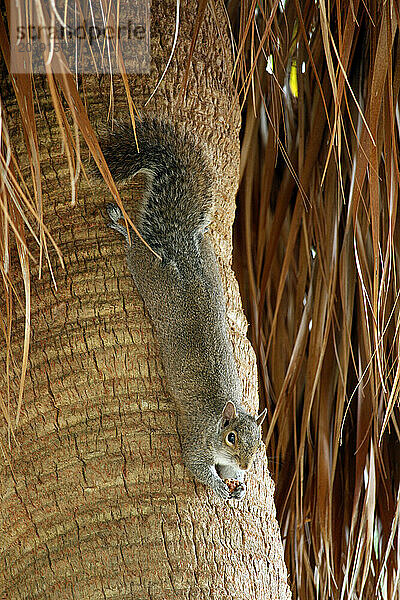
{"x": 95, "y": 501}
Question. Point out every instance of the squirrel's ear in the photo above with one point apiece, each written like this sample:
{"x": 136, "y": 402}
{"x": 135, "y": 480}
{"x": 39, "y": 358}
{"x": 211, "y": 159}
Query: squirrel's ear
{"x": 229, "y": 412}
{"x": 261, "y": 417}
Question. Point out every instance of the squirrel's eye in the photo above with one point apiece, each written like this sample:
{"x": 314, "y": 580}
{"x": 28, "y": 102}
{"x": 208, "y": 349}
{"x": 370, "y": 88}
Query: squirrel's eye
{"x": 231, "y": 438}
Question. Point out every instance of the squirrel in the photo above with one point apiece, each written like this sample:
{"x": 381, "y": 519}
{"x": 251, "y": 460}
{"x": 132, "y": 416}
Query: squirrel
{"x": 183, "y": 295}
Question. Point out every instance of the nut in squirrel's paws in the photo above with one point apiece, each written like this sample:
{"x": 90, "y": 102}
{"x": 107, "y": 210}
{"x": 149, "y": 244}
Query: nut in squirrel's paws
{"x": 236, "y": 488}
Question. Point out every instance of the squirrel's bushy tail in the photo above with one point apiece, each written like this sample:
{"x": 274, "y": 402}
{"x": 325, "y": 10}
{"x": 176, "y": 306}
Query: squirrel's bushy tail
{"x": 177, "y": 203}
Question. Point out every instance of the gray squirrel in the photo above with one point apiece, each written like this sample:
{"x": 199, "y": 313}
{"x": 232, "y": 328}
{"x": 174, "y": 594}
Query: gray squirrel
{"x": 183, "y": 294}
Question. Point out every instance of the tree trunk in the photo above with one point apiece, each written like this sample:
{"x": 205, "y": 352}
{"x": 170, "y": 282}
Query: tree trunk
{"x": 96, "y": 502}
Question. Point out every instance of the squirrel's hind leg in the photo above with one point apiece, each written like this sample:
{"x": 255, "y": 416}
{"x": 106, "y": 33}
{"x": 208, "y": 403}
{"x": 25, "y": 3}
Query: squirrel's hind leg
{"x": 115, "y": 214}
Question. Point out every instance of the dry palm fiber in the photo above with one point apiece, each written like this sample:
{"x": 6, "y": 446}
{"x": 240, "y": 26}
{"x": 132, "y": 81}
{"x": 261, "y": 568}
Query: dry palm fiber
{"x": 317, "y": 247}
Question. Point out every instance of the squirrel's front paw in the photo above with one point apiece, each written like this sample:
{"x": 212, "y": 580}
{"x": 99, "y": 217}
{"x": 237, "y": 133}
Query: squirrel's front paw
{"x": 221, "y": 489}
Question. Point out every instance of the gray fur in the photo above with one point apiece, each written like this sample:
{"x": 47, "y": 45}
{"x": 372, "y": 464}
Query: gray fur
{"x": 184, "y": 297}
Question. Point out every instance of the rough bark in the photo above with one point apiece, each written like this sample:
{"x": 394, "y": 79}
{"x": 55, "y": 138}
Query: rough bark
{"x": 97, "y": 503}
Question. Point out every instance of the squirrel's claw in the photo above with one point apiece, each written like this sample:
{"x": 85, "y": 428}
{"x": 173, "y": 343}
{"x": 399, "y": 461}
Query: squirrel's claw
{"x": 115, "y": 214}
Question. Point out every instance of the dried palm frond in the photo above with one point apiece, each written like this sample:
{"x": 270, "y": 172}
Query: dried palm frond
{"x": 318, "y": 227}
{"x": 21, "y": 201}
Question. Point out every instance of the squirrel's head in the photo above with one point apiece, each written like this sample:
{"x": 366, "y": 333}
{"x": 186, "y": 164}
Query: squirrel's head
{"x": 240, "y": 436}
